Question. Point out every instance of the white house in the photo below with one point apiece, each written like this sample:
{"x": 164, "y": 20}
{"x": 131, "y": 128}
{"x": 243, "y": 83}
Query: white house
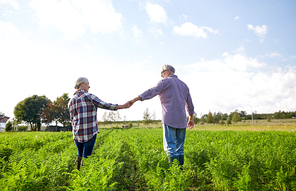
{"x": 3, "y": 121}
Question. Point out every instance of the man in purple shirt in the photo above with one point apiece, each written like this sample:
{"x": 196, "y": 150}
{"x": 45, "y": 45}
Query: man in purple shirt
{"x": 175, "y": 100}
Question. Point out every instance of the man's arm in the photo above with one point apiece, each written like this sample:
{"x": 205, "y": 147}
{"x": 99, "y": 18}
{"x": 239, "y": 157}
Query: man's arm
{"x": 134, "y": 100}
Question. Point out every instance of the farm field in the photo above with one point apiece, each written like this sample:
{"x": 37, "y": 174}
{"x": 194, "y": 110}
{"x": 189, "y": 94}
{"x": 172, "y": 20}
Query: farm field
{"x": 133, "y": 159}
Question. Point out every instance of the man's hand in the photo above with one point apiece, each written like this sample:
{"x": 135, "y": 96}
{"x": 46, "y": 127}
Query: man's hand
{"x": 190, "y": 122}
{"x": 131, "y": 102}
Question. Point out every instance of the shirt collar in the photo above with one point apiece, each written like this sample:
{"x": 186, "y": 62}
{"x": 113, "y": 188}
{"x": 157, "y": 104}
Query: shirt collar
{"x": 80, "y": 91}
{"x": 173, "y": 76}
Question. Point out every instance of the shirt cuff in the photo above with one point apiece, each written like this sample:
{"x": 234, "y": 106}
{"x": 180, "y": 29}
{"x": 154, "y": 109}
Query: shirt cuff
{"x": 142, "y": 99}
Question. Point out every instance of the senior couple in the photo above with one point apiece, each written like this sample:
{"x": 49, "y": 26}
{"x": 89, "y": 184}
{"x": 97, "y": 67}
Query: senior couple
{"x": 175, "y": 100}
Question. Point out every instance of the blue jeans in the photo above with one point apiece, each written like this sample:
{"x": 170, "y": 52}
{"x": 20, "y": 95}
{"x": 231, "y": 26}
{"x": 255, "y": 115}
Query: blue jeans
{"x": 173, "y": 140}
{"x": 85, "y": 149}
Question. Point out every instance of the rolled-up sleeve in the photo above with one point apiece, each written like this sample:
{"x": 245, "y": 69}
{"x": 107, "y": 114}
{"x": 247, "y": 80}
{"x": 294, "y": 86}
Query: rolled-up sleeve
{"x": 175, "y": 100}
{"x": 152, "y": 92}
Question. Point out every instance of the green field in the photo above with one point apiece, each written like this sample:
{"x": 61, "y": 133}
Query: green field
{"x": 133, "y": 159}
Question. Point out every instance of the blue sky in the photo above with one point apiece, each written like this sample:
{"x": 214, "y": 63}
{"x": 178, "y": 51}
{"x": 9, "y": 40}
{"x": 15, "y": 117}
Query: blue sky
{"x": 232, "y": 54}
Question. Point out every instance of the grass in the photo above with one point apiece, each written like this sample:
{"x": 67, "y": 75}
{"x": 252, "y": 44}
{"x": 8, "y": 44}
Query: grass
{"x": 247, "y": 125}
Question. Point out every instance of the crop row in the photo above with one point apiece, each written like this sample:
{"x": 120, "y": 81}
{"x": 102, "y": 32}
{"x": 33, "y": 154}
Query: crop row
{"x": 36, "y": 161}
{"x": 134, "y": 159}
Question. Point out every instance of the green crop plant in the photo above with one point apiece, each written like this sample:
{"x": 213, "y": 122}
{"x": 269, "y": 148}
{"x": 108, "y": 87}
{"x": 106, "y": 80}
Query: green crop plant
{"x": 134, "y": 159}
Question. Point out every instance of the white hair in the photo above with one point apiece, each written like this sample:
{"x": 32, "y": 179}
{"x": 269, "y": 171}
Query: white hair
{"x": 169, "y": 67}
{"x": 79, "y": 81}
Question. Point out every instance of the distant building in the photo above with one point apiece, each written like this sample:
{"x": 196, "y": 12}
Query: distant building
{"x": 3, "y": 121}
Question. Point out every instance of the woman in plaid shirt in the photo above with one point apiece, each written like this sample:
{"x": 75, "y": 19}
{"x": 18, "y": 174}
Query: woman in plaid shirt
{"x": 83, "y": 113}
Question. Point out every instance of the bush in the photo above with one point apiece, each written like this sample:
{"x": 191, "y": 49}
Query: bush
{"x": 8, "y": 126}
{"x": 22, "y": 128}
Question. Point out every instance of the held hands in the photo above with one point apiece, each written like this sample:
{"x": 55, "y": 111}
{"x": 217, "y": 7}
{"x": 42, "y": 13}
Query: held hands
{"x": 131, "y": 102}
{"x": 128, "y": 104}
{"x": 125, "y": 106}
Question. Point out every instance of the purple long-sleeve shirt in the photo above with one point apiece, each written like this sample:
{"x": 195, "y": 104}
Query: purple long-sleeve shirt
{"x": 175, "y": 98}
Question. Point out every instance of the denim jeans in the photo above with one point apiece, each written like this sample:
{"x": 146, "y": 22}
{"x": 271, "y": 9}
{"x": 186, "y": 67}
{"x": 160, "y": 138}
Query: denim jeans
{"x": 85, "y": 149}
{"x": 173, "y": 140}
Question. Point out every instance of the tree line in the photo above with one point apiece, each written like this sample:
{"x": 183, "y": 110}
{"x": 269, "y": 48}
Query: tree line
{"x": 36, "y": 110}
{"x": 114, "y": 118}
{"x": 237, "y": 116}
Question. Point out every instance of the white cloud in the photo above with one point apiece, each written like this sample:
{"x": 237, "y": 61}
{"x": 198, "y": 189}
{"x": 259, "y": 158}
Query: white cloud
{"x": 13, "y": 3}
{"x": 189, "y": 29}
{"x": 138, "y": 33}
{"x": 10, "y": 31}
{"x": 185, "y": 16}
{"x": 236, "y": 18}
{"x": 273, "y": 54}
{"x": 156, "y": 32}
{"x": 239, "y": 82}
{"x": 99, "y": 15}
{"x": 260, "y": 31}
{"x": 72, "y": 16}
{"x": 156, "y": 13}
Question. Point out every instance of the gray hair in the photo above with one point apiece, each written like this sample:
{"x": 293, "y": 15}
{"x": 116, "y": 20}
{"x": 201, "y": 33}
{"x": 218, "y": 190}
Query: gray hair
{"x": 169, "y": 67}
{"x": 79, "y": 81}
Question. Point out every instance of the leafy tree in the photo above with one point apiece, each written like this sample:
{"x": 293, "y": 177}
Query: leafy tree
{"x": 228, "y": 121}
{"x": 61, "y": 105}
{"x": 243, "y": 114}
{"x": 118, "y": 118}
{"x": 202, "y": 120}
{"x": 154, "y": 118}
{"x": 235, "y": 117}
{"x": 105, "y": 118}
{"x": 268, "y": 118}
{"x": 195, "y": 119}
{"x": 222, "y": 122}
{"x": 130, "y": 124}
{"x": 112, "y": 116}
{"x": 50, "y": 114}
{"x": 224, "y": 116}
{"x": 146, "y": 117}
{"x": 215, "y": 119}
{"x": 8, "y": 126}
{"x": 30, "y": 110}
{"x": 57, "y": 111}
{"x": 209, "y": 117}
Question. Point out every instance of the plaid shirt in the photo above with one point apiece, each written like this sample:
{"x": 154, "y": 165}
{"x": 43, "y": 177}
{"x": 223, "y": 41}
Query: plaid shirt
{"x": 83, "y": 113}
